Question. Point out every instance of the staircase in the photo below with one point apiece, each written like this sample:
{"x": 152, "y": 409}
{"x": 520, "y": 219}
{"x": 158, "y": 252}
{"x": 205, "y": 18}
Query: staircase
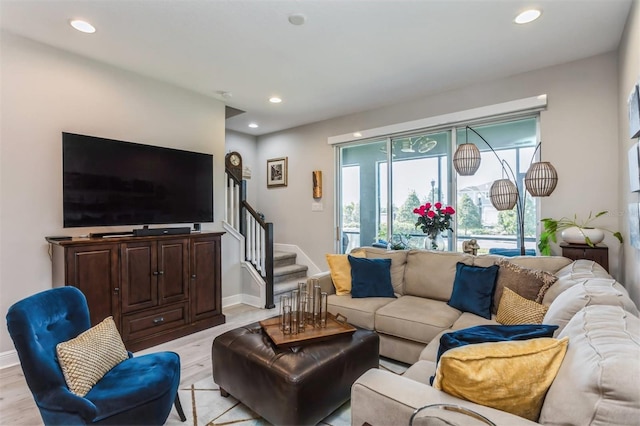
{"x": 286, "y": 273}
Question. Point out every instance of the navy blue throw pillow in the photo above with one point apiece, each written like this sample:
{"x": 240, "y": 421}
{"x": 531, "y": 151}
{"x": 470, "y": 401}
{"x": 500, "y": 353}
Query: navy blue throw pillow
{"x": 370, "y": 277}
{"x": 492, "y": 333}
{"x": 473, "y": 289}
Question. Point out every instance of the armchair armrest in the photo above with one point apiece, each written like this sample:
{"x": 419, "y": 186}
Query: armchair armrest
{"x": 382, "y": 397}
{"x": 323, "y": 279}
{"x": 63, "y": 400}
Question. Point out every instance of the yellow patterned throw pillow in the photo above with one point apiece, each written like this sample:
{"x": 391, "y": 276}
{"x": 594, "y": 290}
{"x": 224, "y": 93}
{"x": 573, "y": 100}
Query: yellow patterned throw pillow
{"x": 87, "y": 358}
{"x": 510, "y": 376}
{"x": 515, "y": 309}
{"x": 340, "y": 270}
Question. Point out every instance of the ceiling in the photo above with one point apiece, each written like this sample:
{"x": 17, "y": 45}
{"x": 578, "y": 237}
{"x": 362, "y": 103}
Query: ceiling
{"x": 349, "y": 56}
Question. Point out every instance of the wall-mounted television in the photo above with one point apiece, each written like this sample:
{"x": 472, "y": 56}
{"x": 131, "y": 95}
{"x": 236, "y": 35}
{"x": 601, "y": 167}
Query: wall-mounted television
{"x": 108, "y": 182}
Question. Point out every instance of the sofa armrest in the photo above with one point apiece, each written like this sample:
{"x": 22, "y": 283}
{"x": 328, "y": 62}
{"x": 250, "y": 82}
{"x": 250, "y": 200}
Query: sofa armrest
{"x": 323, "y": 279}
{"x": 380, "y": 397}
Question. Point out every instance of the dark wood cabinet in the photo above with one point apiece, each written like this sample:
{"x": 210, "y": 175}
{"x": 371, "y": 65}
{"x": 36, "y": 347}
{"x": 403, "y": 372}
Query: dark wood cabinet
{"x": 599, "y": 253}
{"x": 156, "y": 288}
{"x": 93, "y": 268}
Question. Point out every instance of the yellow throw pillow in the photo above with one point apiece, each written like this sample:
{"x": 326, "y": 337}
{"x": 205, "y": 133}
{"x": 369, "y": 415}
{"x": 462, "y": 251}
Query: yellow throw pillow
{"x": 515, "y": 309}
{"x": 87, "y": 358}
{"x": 510, "y": 376}
{"x": 340, "y": 270}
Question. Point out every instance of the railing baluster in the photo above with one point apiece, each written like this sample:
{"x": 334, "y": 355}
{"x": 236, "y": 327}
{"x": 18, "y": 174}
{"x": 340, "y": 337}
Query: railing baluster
{"x": 258, "y": 234}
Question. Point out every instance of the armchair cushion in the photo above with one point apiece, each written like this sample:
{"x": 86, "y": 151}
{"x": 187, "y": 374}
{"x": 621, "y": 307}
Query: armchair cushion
{"x": 148, "y": 378}
{"x": 85, "y": 359}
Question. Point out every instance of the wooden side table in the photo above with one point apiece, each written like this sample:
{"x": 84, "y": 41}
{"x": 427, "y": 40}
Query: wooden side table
{"x": 599, "y": 253}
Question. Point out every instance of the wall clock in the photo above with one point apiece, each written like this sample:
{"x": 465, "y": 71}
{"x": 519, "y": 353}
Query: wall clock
{"x": 233, "y": 163}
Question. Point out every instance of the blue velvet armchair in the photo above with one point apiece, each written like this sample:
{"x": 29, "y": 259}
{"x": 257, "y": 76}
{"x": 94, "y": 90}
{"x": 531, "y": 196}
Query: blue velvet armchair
{"x": 140, "y": 390}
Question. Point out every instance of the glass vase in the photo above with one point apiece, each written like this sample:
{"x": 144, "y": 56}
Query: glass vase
{"x": 434, "y": 242}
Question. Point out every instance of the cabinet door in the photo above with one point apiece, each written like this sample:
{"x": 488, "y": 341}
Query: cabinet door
{"x": 139, "y": 279}
{"x": 94, "y": 270}
{"x": 173, "y": 270}
{"x": 206, "y": 301}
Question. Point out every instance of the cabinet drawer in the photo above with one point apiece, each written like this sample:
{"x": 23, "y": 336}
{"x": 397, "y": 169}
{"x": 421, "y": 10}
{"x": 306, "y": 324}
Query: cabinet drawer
{"x": 153, "y": 321}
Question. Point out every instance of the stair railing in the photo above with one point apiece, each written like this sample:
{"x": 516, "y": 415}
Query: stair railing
{"x": 258, "y": 234}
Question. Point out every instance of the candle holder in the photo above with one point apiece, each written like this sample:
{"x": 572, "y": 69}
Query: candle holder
{"x": 323, "y": 309}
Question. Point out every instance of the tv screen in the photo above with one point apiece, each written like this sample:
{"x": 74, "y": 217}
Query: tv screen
{"x": 108, "y": 182}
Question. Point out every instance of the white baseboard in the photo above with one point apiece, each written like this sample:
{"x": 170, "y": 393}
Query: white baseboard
{"x": 9, "y": 359}
{"x": 246, "y": 299}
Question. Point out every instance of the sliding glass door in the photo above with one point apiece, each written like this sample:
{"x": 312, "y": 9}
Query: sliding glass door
{"x": 381, "y": 181}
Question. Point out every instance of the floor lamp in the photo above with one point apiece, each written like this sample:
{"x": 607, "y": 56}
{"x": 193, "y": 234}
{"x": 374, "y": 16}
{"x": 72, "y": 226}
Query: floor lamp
{"x": 540, "y": 180}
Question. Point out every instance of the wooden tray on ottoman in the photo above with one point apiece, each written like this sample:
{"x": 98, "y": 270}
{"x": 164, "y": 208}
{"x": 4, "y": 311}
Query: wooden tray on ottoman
{"x": 334, "y": 328}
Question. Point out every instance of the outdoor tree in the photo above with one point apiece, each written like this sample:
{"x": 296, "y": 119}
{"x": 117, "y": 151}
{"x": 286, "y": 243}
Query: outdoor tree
{"x": 468, "y": 214}
{"x": 405, "y": 213}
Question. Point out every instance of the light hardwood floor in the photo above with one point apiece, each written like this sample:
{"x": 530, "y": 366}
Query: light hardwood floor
{"x": 18, "y": 408}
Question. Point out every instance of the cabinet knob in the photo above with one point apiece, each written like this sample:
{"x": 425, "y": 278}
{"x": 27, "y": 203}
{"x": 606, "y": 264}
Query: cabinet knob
{"x": 116, "y": 290}
{"x": 161, "y": 272}
{"x": 158, "y": 320}
{"x": 193, "y": 276}
{"x": 155, "y": 272}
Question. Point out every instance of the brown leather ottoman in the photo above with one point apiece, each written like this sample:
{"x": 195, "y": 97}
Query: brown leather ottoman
{"x": 291, "y": 386}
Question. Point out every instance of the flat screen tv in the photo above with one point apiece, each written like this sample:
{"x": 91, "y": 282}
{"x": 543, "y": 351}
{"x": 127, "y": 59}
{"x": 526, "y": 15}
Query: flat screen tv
{"x": 108, "y": 182}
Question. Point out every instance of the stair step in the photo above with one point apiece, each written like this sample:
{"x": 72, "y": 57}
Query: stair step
{"x": 283, "y": 258}
{"x": 289, "y": 272}
{"x": 285, "y": 287}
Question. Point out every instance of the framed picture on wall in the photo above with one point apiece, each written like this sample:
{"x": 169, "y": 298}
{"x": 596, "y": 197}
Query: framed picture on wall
{"x": 277, "y": 172}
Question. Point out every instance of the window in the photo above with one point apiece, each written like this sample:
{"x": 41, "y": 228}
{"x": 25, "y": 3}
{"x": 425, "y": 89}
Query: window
{"x": 381, "y": 182}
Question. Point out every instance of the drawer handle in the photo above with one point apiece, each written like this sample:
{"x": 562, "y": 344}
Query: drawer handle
{"x": 158, "y": 320}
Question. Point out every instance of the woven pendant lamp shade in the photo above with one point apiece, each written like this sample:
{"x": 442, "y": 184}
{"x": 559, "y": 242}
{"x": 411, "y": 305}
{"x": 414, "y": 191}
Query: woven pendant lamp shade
{"x": 541, "y": 179}
{"x": 503, "y": 194}
{"x": 466, "y": 160}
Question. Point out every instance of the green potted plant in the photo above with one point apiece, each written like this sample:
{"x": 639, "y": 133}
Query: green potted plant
{"x": 573, "y": 231}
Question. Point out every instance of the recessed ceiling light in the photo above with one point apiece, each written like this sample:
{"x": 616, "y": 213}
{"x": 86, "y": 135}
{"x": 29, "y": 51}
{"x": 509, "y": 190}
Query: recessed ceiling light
{"x": 253, "y": 125}
{"x": 82, "y": 26}
{"x": 357, "y": 135}
{"x": 527, "y": 16}
{"x": 275, "y": 100}
{"x": 297, "y": 19}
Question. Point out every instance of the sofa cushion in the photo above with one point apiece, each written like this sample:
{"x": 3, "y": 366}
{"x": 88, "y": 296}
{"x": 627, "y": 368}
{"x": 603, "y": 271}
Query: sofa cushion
{"x": 515, "y": 309}
{"x": 510, "y": 376}
{"x": 572, "y": 274}
{"x": 528, "y": 283}
{"x": 415, "y": 318}
{"x": 359, "y": 312}
{"x": 595, "y": 291}
{"x": 398, "y": 263}
{"x": 340, "y": 270}
{"x": 430, "y": 274}
{"x": 473, "y": 289}
{"x": 370, "y": 277}
{"x": 469, "y": 320}
{"x": 550, "y": 264}
{"x": 597, "y": 383}
{"x": 492, "y": 333}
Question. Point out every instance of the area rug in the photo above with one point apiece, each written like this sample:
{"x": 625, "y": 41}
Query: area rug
{"x": 204, "y": 406}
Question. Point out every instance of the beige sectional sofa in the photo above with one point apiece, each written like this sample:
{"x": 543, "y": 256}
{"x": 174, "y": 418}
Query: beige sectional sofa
{"x": 597, "y": 382}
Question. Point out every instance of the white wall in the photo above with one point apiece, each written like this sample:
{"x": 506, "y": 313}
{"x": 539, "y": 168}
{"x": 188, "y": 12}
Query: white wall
{"x": 579, "y": 135}
{"x": 629, "y": 74}
{"x": 46, "y": 91}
